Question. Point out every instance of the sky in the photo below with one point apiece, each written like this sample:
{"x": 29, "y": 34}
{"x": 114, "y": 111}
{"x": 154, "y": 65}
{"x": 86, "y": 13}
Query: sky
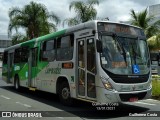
{"x": 115, "y": 10}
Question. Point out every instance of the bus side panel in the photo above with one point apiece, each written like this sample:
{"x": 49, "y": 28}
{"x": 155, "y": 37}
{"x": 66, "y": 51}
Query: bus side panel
{"x": 49, "y": 73}
{"x": 40, "y": 69}
{"x": 47, "y": 76}
{"x": 21, "y": 70}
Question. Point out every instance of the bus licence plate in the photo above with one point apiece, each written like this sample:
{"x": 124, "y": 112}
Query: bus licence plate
{"x": 133, "y": 99}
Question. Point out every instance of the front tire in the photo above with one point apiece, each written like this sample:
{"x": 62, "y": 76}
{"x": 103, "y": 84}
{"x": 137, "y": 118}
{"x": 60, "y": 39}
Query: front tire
{"x": 64, "y": 94}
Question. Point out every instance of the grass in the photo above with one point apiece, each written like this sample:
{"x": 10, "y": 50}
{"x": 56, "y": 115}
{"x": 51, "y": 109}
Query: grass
{"x": 156, "y": 88}
{"x": 155, "y": 76}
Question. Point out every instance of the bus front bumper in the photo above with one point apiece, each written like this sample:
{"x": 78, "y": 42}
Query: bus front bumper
{"x": 115, "y": 96}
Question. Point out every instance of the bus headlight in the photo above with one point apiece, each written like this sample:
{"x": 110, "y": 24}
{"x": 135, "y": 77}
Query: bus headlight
{"x": 149, "y": 85}
{"x": 106, "y": 83}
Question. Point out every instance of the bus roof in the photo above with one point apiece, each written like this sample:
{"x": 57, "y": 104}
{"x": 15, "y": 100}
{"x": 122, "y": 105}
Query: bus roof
{"x": 89, "y": 25}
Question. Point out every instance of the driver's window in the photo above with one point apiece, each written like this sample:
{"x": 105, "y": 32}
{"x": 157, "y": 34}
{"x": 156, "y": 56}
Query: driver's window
{"x": 108, "y": 51}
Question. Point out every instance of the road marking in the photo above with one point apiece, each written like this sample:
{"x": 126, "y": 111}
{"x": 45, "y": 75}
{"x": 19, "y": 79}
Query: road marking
{"x": 5, "y": 97}
{"x": 60, "y": 117}
{"x": 27, "y": 105}
{"x": 23, "y": 104}
{"x": 19, "y": 103}
{"x": 145, "y": 103}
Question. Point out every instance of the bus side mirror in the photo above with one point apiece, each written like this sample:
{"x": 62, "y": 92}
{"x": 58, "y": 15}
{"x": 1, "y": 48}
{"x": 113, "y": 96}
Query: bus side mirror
{"x": 99, "y": 46}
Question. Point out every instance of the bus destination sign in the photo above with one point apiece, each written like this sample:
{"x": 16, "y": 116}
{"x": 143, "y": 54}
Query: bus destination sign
{"x": 120, "y": 29}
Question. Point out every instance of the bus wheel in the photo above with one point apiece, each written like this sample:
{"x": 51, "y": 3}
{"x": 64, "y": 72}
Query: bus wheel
{"x": 64, "y": 94}
{"x": 16, "y": 83}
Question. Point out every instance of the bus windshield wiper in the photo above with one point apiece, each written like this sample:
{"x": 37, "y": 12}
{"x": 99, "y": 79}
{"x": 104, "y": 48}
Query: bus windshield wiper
{"x": 122, "y": 49}
{"x": 135, "y": 54}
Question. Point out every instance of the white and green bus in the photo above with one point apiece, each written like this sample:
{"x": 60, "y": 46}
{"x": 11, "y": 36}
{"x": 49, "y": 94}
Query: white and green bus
{"x": 98, "y": 61}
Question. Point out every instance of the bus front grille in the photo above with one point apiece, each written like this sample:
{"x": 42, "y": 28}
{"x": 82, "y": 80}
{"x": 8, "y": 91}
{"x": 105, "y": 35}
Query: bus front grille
{"x": 127, "y": 97}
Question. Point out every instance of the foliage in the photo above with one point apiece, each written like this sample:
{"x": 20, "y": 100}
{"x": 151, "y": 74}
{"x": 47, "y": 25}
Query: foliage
{"x": 33, "y": 18}
{"x": 154, "y": 42}
{"x": 18, "y": 38}
{"x": 156, "y": 87}
{"x": 146, "y": 22}
{"x": 85, "y": 11}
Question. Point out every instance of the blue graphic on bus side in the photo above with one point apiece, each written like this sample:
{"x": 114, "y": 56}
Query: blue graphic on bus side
{"x": 136, "y": 69}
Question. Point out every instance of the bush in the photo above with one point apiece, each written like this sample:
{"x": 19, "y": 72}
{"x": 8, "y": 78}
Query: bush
{"x": 156, "y": 87}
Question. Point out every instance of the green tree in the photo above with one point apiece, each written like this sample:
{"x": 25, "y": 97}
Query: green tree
{"x": 85, "y": 11}
{"x": 147, "y": 23}
{"x": 154, "y": 43}
{"x": 18, "y": 38}
{"x": 34, "y": 19}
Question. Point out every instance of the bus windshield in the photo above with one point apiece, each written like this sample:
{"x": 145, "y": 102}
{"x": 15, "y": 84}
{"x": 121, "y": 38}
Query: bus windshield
{"x": 125, "y": 55}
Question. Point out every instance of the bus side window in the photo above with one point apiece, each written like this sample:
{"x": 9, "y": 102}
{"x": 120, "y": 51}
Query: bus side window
{"x": 24, "y": 54}
{"x": 21, "y": 55}
{"x": 17, "y": 55}
{"x": 48, "y": 51}
{"x": 65, "y": 48}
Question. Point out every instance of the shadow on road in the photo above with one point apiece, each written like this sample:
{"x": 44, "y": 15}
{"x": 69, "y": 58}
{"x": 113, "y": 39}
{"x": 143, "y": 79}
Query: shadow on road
{"x": 81, "y": 109}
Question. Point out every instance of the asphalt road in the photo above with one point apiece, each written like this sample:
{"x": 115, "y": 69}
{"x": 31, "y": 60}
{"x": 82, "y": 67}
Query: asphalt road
{"x": 48, "y": 106}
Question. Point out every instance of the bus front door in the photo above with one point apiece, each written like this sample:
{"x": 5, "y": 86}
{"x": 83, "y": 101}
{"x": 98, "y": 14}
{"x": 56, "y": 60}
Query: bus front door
{"x": 10, "y": 67}
{"x": 86, "y": 68}
{"x": 32, "y": 67}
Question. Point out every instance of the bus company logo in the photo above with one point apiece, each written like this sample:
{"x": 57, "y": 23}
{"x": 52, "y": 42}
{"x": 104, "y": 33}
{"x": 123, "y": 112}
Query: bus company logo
{"x": 53, "y": 70}
{"x": 16, "y": 68}
{"x": 6, "y": 114}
